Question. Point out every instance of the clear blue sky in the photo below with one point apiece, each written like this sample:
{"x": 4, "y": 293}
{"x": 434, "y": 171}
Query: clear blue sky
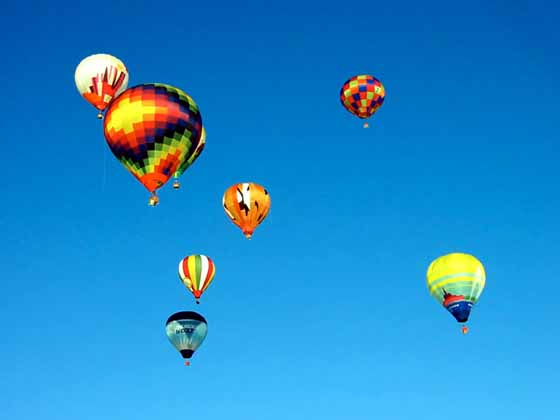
{"x": 324, "y": 314}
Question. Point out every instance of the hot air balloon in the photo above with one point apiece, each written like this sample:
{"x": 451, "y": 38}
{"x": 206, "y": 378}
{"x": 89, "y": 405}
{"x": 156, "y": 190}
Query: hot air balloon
{"x": 246, "y": 204}
{"x": 456, "y": 281}
{"x": 151, "y": 129}
{"x": 187, "y": 163}
{"x": 186, "y": 331}
{"x": 362, "y": 95}
{"x": 100, "y": 78}
{"x": 196, "y": 272}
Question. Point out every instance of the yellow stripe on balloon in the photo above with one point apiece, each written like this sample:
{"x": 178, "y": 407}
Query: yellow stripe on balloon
{"x": 192, "y": 272}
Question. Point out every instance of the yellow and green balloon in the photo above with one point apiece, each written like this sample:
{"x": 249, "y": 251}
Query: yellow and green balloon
{"x": 456, "y": 281}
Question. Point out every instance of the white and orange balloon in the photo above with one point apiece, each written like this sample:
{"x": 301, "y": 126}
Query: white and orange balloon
{"x": 100, "y": 78}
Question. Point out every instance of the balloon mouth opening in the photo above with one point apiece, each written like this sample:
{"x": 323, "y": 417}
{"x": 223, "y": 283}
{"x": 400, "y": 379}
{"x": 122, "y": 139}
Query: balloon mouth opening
{"x": 187, "y": 354}
{"x": 462, "y": 318}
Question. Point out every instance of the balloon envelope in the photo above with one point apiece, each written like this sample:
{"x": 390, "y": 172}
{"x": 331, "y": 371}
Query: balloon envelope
{"x": 151, "y": 129}
{"x": 362, "y": 95}
{"x": 196, "y": 272}
{"x": 190, "y": 159}
{"x": 186, "y": 331}
{"x": 100, "y": 78}
{"x": 456, "y": 281}
{"x": 246, "y": 204}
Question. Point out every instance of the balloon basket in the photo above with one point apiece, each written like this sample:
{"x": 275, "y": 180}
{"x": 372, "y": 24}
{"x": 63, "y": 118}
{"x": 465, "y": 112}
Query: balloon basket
{"x": 187, "y": 363}
{"x": 176, "y": 185}
{"x": 153, "y": 201}
{"x": 100, "y": 116}
{"x": 366, "y": 125}
{"x": 465, "y": 329}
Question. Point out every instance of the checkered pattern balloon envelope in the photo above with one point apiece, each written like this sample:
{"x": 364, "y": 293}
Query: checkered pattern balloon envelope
{"x": 198, "y": 150}
{"x": 152, "y": 129}
{"x": 362, "y": 95}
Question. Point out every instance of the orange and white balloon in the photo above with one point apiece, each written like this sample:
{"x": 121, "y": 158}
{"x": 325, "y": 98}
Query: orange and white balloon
{"x": 246, "y": 204}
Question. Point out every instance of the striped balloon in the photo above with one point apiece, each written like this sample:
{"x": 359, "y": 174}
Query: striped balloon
{"x": 196, "y": 272}
{"x": 456, "y": 281}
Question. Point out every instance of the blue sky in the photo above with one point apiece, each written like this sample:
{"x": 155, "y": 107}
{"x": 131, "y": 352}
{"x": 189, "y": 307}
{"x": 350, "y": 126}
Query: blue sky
{"x": 324, "y": 314}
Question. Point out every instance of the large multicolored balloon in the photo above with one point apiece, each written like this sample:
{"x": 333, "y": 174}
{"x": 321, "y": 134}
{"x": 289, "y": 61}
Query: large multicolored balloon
{"x": 362, "y": 95}
{"x": 152, "y": 129}
{"x": 186, "y": 331}
{"x": 456, "y": 281}
{"x": 197, "y": 272}
{"x": 188, "y": 162}
{"x": 246, "y": 204}
{"x": 100, "y": 78}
